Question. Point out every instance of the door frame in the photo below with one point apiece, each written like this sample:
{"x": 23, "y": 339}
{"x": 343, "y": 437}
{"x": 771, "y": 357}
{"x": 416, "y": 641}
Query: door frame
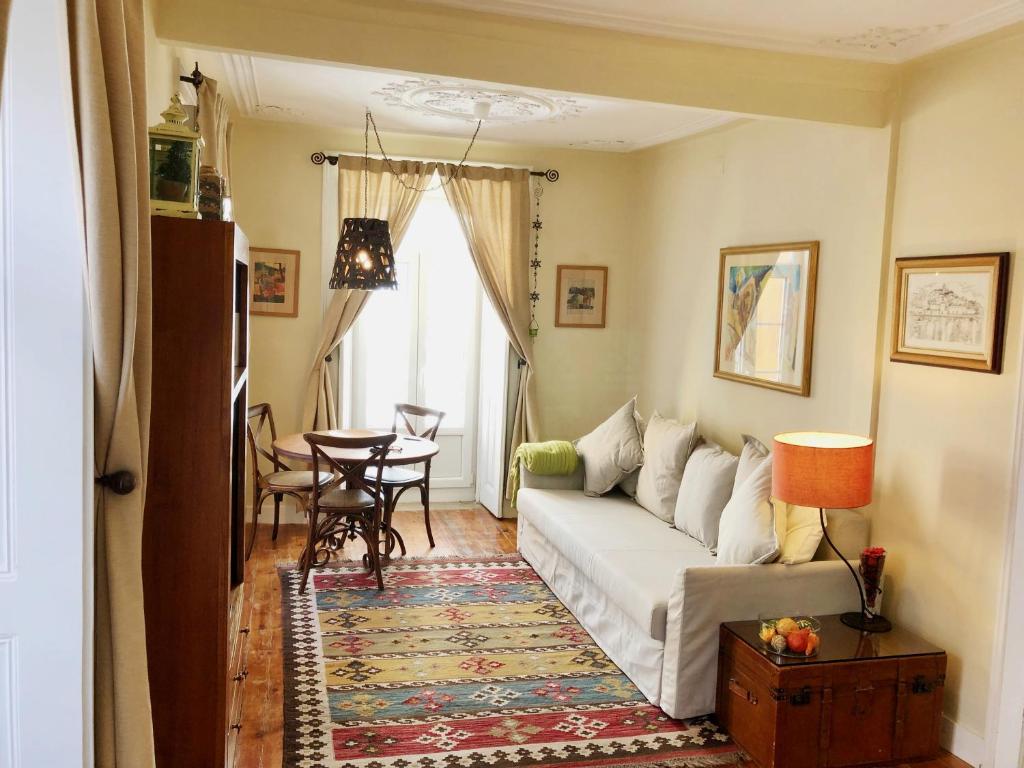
{"x": 1004, "y": 735}
{"x": 45, "y": 390}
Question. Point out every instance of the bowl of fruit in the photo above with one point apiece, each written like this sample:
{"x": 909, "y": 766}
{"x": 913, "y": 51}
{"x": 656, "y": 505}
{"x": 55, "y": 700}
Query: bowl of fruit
{"x": 794, "y": 637}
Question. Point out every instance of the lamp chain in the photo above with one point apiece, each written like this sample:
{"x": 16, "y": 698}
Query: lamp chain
{"x": 391, "y": 167}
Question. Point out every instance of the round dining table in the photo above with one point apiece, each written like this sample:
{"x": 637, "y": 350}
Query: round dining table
{"x": 407, "y": 449}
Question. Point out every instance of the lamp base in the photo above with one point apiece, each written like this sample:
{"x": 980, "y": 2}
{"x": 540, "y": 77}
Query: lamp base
{"x": 865, "y": 623}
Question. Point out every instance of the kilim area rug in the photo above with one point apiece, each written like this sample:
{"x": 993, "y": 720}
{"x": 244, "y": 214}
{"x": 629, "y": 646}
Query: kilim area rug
{"x": 463, "y": 663}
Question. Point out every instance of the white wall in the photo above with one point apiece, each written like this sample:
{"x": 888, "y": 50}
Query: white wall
{"x": 582, "y": 374}
{"x": 757, "y": 183}
{"x": 945, "y": 437}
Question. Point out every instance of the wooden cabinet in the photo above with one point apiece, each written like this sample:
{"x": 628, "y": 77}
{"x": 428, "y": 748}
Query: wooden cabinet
{"x": 864, "y": 700}
{"x": 193, "y": 564}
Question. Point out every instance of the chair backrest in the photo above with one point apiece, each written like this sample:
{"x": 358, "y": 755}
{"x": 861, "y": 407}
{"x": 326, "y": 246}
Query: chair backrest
{"x": 264, "y": 418}
{"x": 350, "y": 471}
{"x": 406, "y": 412}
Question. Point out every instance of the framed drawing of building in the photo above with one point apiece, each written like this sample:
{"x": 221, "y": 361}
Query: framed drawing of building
{"x": 950, "y": 311}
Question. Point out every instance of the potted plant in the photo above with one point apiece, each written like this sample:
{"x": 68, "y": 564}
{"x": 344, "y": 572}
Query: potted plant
{"x": 174, "y": 173}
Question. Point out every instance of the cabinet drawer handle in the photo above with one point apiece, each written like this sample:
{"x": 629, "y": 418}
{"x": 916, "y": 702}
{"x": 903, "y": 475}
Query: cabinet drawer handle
{"x": 236, "y": 727}
{"x": 742, "y": 692}
{"x": 241, "y": 675}
{"x": 244, "y": 631}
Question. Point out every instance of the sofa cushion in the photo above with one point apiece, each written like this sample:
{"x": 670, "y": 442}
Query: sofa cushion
{"x": 752, "y": 456}
{"x": 803, "y": 534}
{"x": 667, "y": 446}
{"x": 747, "y": 533}
{"x": 611, "y": 451}
{"x": 625, "y": 552}
{"x": 704, "y": 491}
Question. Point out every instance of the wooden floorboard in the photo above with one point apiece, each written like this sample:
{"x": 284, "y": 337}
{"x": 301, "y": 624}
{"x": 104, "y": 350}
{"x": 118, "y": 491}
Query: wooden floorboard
{"x": 456, "y": 532}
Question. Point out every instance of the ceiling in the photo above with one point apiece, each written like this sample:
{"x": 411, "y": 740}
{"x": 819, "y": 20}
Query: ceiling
{"x": 296, "y": 91}
{"x": 882, "y": 30}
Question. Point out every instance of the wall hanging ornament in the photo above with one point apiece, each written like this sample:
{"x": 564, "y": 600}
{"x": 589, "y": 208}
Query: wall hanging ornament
{"x": 535, "y": 262}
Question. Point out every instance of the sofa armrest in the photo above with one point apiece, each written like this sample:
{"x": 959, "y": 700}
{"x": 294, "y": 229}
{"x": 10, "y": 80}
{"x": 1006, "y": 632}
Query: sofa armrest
{"x": 707, "y": 596}
{"x": 571, "y": 482}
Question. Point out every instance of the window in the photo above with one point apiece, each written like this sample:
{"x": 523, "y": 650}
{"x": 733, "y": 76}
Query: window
{"x": 419, "y": 344}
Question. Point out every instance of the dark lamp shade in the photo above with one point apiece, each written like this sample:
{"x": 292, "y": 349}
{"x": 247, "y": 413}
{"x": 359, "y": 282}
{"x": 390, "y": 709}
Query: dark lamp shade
{"x": 365, "y": 260}
{"x": 823, "y": 469}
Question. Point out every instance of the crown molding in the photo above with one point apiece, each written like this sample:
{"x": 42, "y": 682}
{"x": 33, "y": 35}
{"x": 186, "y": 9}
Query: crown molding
{"x": 241, "y": 75}
{"x": 949, "y": 34}
{"x": 706, "y": 123}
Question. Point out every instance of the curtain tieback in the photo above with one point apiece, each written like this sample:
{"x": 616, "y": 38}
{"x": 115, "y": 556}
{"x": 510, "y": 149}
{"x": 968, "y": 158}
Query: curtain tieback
{"x": 121, "y": 482}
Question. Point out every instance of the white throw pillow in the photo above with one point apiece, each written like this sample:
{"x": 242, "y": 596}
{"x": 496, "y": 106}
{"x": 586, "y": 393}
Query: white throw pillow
{"x": 747, "y": 534}
{"x": 611, "y": 451}
{"x": 704, "y": 491}
{"x": 667, "y": 446}
{"x": 803, "y": 534}
{"x": 754, "y": 452}
{"x": 628, "y": 485}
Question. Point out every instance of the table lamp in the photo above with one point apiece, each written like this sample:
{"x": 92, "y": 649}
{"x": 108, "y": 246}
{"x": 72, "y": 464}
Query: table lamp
{"x": 828, "y": 470}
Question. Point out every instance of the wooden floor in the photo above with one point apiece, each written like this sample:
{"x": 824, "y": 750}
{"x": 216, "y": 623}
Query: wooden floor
{"x": 456, "y": 532}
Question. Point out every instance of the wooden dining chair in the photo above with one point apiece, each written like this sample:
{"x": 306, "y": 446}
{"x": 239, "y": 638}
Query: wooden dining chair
{"x": 397, "y": 480}
{"x": 280, "y": 480}
{"x": 356, "y": 509}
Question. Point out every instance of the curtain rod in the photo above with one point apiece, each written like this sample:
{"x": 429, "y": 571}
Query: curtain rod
{"x": 319, "y": 158}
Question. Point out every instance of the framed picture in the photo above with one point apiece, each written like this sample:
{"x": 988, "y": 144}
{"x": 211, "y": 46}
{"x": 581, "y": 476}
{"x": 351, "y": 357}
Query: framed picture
{"x": 582, "y": 296}
{"x": 765, "y": 328}
{"x": 274, "y": 282}
{"x": 950, "y": 311}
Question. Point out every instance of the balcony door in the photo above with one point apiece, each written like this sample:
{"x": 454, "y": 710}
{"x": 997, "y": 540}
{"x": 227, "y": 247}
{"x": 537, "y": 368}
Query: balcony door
{"x": 421, "y": 344}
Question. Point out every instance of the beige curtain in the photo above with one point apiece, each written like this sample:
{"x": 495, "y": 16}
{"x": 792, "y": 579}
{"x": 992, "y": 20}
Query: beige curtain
{"x": 493, "y": 206}
{"x": 108, "y": 81}
{"x": 388, "y": 199}
{"x": 214, "y": 126}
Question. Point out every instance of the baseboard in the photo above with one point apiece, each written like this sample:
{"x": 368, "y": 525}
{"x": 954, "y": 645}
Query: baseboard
{"x": 961, "y": 742}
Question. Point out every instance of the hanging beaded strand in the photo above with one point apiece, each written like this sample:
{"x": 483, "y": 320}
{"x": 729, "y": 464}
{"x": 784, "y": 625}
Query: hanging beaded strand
{"x": 538, "y": 192}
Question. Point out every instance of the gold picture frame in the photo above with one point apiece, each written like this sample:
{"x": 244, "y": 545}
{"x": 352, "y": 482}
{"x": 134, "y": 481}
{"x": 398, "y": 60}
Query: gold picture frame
{"x": 765, "y": 325}
{"x": 274, "y": 282}
{"x": 950, "y": 311}
{"x": 581, "y": 299}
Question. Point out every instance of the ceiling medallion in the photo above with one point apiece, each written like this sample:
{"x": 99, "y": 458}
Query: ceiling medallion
{"x": 884, "y": 37}
{"x": 433, "y": 97}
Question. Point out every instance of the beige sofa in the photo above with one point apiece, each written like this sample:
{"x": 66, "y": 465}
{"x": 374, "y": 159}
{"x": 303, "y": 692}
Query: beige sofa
{"x": 652, "y": 597}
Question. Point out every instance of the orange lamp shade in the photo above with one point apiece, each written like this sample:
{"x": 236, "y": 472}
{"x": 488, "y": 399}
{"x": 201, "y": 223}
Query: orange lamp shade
{"x": 823, "y": 469}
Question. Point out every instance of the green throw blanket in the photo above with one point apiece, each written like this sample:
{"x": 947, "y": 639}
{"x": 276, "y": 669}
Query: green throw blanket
{"x": 555, "y": 457}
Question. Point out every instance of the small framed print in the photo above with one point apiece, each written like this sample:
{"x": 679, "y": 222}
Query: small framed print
{"x": 582, "y": 296}
{"x": 274, "y": 285}
{"x": 950, "y": 311}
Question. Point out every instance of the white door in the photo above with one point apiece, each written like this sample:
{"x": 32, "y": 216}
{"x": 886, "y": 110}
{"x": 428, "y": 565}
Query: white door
{"x": 490, "y": 483}
{"x": 45, "y": 487}
{"x": 419, "y": 344}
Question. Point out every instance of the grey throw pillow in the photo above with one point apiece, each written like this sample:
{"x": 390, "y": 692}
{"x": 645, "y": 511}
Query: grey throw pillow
{"x": 754, "y": 452}
{"x": 705, "y": 489}
{"x": 667, "y": 446}
{"x": 746, "y": 533}
{"x": 611, "y": 451}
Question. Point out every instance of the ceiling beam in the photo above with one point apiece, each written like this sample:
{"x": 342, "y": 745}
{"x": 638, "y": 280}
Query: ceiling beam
{"x": 422, "y": 38}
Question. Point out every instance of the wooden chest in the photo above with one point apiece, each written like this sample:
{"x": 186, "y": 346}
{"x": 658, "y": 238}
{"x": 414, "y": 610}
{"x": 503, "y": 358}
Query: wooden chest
{"x": 864, "y": 700}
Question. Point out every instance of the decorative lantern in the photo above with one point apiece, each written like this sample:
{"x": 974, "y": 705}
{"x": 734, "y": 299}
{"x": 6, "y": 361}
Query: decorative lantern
{"x": 365, "y": 259}
{"x": 174, "y": 151}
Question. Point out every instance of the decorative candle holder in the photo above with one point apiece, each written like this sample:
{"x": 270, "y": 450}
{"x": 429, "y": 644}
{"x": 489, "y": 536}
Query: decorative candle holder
{"x": 872, "y": 562}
